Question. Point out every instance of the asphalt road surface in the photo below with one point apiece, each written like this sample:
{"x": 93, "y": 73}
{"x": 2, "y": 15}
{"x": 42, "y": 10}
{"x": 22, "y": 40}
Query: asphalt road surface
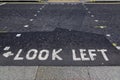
{"x": 93, "y": 18}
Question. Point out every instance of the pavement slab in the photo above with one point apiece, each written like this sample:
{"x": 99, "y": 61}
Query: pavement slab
{"x": 62, "y": 73}
{"x": 104, "y": 73}
{"x": 17, "y": 72}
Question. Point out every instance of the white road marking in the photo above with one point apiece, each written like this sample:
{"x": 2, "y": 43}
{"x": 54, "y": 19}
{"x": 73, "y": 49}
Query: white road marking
{"x": 89, "y": 12}
{"x": 118, "y": 47}
{"x": 92, "y": 16}
{"x": 96, "y": 20}
{"x": 35, "y": 15}
{"x": 7, "y": 48}
{"x": 38, "y": 11}
{"x": 43, "y": 6}
{"x": 18, "y": 35}
{"x": 31, "y": 19}
{"x": 102, "y": 27}
{"x": 40, "y": 8}
{"x": 2, "y": 4}
{"x": 86, "y": 8}
{"x": 102, "y": 63}
{"x": 114, "y": 44}
{"x": 108, "y": 35}
{"x": 8, "y": 54}
{"x": 26, "y": 25}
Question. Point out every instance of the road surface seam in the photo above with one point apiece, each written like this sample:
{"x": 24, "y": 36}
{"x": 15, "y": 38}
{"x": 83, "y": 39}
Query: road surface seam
{"x": 36, "y": 73}
{"x": 89, "y": 73}
{"x": 33, "y": 19}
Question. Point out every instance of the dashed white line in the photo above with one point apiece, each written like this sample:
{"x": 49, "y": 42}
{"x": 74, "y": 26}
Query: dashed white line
{"x": 102, "y": 27}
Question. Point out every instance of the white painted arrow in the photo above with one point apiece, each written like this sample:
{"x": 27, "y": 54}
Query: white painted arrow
{"x": 8, "y": 54}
